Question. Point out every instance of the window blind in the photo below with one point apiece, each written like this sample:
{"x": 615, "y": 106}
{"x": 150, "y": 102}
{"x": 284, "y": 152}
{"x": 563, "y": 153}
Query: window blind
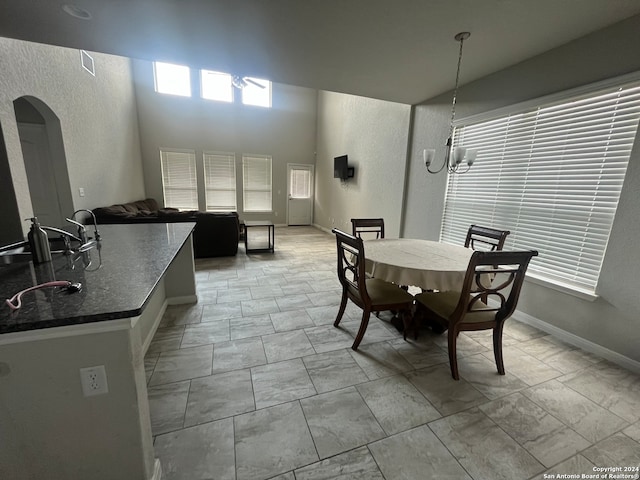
{"x": 256, "y": 181}
{"x": 179, "y": 183}
{"x": 220, "y": 182}
{"x": 300, "y": 183}
{"x": 552, "y": 176}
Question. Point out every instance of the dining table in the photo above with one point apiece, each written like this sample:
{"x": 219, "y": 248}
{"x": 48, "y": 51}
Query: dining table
{"x": 427, "y": 264}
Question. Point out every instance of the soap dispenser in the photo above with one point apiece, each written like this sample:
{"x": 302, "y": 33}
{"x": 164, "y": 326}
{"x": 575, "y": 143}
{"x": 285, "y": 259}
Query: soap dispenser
{"x": 39, "y": 243}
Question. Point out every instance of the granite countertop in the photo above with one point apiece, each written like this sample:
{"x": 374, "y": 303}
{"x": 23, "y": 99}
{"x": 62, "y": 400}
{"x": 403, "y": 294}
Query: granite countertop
{"x": 117, "y": 279}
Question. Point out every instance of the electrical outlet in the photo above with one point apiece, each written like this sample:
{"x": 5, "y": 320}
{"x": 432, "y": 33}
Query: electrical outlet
{"x": 94, "y": 381}
{"x": 81, "y": 191}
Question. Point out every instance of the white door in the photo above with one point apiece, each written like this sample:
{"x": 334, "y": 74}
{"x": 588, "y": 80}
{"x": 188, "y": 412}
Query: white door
{"x": 300, "y": 189}
{"x": 40, "y": 175}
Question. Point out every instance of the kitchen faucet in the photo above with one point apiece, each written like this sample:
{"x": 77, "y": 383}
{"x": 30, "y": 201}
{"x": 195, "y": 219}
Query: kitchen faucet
{"x": 66, "y": 237}
{"x": 95, "y": 223}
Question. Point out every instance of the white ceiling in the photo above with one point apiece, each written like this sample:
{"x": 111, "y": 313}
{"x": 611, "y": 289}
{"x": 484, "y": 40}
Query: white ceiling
{"x": 397, "y": 50}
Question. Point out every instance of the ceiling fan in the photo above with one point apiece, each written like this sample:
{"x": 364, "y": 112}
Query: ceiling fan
{"x": 241, "y": 82}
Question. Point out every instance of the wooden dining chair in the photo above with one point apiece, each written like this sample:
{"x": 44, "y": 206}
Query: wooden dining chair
{"x": 370, "y": 294}
{"x": 485, "y": 238}
{"x": 468, "y": 309}
{"x": 368, "y": 226}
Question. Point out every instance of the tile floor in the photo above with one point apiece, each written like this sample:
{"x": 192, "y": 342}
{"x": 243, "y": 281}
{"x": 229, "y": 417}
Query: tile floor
{"x": 254, "y": 382}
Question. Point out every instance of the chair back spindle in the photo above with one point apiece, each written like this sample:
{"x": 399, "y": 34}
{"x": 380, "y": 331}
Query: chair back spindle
{"x": 371, "y": 227}
{"x": 485, "y": 238}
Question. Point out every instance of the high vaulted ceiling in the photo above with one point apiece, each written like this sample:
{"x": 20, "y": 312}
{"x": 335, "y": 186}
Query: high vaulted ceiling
{"x": 396, "y": 50}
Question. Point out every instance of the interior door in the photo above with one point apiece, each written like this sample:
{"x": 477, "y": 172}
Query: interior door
{"x": 40, "y": 175}
{"x": 300, "y": 189}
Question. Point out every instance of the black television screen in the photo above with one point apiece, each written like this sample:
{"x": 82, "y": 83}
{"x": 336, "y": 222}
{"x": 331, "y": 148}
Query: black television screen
{"x": 340, "y": 167}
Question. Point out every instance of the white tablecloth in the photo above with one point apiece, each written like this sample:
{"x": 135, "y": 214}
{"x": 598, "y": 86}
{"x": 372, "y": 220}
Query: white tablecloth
{"x": 422, "y": 263}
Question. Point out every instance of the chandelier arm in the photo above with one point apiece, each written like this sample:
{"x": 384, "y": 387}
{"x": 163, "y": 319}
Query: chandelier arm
{"x": 446, "y": 162}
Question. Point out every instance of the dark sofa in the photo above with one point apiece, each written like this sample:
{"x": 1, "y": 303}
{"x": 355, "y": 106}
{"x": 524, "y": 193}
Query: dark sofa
{"x": 215, "y": 234}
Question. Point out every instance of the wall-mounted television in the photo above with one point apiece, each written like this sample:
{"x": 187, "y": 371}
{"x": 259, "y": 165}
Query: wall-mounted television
{"x": 341, "y": 168}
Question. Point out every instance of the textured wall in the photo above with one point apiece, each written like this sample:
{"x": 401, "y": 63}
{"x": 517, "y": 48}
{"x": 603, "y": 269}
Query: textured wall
{"x": 612, "y": 320}
{"x": 286, "y": 132}
{"x": 374, "y": 134}
{"x": 97, "y": 116}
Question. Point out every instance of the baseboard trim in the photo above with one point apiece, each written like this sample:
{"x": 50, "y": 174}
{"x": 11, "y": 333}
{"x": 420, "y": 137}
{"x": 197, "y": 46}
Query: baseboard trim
{"x": 157, "y": 470}
{"x": 615, "y": 357}
{"x": 320, "y": 227}
{"x": 182, "y": 300}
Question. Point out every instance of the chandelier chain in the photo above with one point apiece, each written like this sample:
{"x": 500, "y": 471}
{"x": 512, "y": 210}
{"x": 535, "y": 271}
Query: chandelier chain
{"x": 455, "y": 90}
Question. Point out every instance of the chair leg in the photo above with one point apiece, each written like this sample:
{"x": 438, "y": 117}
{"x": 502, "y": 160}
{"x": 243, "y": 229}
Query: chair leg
{"x": 497, "y": 347}
{"x": 453, "y": 359}
{"x": 343, "y": 306}
{"x": 409, "y": 322}
{"x": 363, "y": 328}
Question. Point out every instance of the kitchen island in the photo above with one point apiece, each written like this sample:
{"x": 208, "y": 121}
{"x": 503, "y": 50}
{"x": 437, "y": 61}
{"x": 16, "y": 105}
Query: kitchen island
{"x": 49, "y": 428}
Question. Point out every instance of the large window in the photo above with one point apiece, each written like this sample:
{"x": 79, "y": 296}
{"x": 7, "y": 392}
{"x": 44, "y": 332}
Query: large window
{"x": 220, "y": 181}
{"x": 172, "y": 79}
{"x": 256, "y": 91}
{"x": 179, "y": 183}
{"x": 552, "y": 175}
{"x": 216, "y": 86}
{"x": 256, "y": 181}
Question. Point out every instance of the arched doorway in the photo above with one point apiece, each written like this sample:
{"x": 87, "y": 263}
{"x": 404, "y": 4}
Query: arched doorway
{"x": 44, "y": 160}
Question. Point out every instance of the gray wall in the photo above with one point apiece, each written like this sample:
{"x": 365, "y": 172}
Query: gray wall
{"x": 611, "y": 321}
{"x": 374, "y": 134}
{"x": 286, "y": 132}
{"x": 97, "y": 117}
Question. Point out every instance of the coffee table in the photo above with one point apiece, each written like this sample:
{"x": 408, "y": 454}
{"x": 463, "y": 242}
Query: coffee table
{"x": 259, "y": 236}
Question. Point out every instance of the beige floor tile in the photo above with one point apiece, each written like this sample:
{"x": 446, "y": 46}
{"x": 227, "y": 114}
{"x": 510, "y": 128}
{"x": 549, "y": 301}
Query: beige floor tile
{"x": 205, "y": 451}
{"x": 339, "y": 421}
{"x": 281, "y": 382}
{"x": 483, "y": 448}
{"x": 576, "y": 411}
{"x": 443, "y": 392}
{"x": 416, "y": 454}
{"x": 355, "y": 464}
{"x": 397, "y": 404}
{"x": 272, "y": 441}
{"x": 545, "y": 437}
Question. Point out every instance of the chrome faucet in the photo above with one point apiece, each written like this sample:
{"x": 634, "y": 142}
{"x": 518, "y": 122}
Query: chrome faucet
{"x": 64, "y": 233}
{"x": 82, "y": 231}
{"x": 93, "y": 216}
{"x": 66, "y": 237}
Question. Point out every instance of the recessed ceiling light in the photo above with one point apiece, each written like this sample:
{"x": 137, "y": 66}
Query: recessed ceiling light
{"x": 76, "y": 11}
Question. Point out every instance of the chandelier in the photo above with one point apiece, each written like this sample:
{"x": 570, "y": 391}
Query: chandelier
{"x": 454, "y": 157}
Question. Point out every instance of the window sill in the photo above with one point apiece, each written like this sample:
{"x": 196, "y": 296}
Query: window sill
{"x": 563, "y": 287}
